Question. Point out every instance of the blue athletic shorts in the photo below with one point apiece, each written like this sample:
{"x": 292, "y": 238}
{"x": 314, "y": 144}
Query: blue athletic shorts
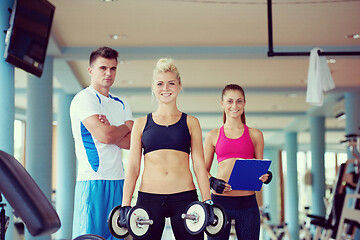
{"x": 94, "y": 199}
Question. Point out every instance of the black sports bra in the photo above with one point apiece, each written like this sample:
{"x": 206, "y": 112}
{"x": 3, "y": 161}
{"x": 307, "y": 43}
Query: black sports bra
{"x": 175, "y": 136}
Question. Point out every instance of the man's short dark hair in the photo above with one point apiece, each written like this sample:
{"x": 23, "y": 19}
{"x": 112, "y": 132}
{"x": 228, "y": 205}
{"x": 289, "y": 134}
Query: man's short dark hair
{"x": 104, "y": 52}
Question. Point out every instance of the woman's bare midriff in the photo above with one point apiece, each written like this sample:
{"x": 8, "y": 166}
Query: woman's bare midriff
{"x": 224, "y": 171}
{"x": 166, "y": 172}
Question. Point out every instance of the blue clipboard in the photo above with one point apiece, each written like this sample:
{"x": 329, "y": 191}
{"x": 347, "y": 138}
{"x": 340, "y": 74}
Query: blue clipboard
{"x": 246, "y": 173}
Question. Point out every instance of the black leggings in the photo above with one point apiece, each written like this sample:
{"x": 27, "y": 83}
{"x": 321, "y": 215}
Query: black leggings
{"x": 161, "y": 206}
{"x": 245, "y": 211}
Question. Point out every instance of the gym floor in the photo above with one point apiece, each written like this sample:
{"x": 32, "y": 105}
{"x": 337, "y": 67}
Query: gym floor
{"x": 168, "y": 234}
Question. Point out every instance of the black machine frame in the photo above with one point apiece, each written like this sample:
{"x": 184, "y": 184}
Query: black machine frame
{"x": 271, "y": 52}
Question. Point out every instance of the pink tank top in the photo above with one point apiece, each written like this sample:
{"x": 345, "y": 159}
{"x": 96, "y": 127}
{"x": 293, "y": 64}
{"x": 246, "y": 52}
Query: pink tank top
{"x": 241, "y": 147}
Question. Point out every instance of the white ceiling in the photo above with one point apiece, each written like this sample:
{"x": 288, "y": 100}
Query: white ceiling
{"x": 213, "y": 43}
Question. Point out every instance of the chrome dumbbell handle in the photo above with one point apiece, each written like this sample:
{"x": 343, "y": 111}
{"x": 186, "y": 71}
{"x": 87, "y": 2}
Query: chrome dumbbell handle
{"x": 192, "y": 216}
{"x": 142, "y": 221}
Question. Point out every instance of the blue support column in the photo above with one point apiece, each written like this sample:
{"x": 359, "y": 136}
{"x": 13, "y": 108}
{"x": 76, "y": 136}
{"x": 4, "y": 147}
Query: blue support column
{"x": 271, "y": 192}
{"x": 39, "y": 112}
{"x": 7, "y": 106}
{"x": 7, "y": 88}
{"x": 66, "y": 168}
{"x": 352, "y": 111}
{"x": 291, "y": 185}
{"x": 317, "y": 135}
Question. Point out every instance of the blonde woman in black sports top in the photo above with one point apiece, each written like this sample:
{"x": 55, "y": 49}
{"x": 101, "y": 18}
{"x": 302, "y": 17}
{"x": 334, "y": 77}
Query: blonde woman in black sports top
{"x": 166, "y": 137}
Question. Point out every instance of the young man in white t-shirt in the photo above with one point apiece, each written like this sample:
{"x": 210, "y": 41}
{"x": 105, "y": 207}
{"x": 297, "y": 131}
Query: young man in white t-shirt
{"x": 101, "y": 126}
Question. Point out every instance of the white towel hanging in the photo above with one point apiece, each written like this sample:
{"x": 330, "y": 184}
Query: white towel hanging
{"x": 319, "y": 78}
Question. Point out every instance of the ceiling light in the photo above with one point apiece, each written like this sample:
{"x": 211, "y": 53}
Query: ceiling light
{"x": 292, "y": 95}
{"x": 116, "y": 37}
{"x": 353, "y": 36}
{"x": 331, "y": 60}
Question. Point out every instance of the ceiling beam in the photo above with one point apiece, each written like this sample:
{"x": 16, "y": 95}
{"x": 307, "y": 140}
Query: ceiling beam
{"x": 190, "y": 52}
{"x": 68, "y": 80}
{"x": 126, "y": 91}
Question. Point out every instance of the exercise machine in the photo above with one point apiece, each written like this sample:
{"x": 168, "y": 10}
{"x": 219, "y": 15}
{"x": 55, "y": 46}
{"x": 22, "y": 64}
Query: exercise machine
{"x": 327, "y": 227}
{"x": 26, "y": 198}
{"x": 275, "y": 231}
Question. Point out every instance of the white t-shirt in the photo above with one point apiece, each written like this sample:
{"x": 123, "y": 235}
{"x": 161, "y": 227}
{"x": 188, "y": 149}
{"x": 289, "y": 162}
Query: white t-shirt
{"x": 97, "y": 161}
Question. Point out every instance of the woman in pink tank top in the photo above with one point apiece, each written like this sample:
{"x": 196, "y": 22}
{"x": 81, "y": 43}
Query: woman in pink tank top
{"x": 232, "y": 141}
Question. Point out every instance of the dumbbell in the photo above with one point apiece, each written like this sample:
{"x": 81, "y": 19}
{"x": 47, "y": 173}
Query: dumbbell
{"x": 137, "y": 223}
{"x": 89, "y": 237}
{"x": 196, "y": 219}
{"x": 220, "y": 221}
